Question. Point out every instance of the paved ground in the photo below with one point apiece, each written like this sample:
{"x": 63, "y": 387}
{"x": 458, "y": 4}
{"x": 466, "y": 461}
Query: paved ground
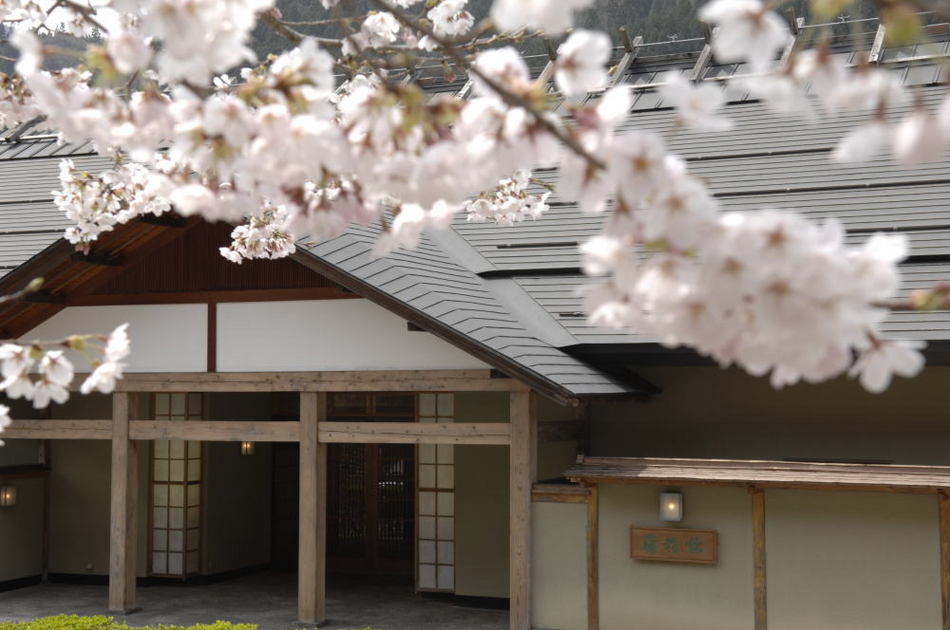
{"x": 267, "y": 599}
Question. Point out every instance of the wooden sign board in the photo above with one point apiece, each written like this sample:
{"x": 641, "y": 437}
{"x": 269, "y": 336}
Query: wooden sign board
{"x": 691, "y": 546}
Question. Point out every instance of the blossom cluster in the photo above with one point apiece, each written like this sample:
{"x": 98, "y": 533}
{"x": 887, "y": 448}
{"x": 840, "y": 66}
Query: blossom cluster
{"x": 511, "y": 202}
{"x": 42, "y": 375}
{"x": 287, "y": 151}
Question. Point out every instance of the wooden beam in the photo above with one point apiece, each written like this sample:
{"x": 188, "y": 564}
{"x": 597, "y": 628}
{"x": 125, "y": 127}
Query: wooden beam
{"x": 59, "y": 430}
{"x": 26, "y": 471}
{"x": 326, "y": 381}
{"x": 203, "y": 297}
{"x": 123, "y": 517}
{"x": 522, "y": 471}
{"x": 943, "y": 507}
{"x": 559, "y": 493}
{"x": 311, "y": 582}
{"x": 593, "y": 559}
{"x": 758, "y": 558}
{"x": 415, "y": 433}
{"x": 216, "y": 430}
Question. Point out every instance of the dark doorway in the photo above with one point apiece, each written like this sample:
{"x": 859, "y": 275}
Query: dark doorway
{"x": 370, "y": 524}
{"x": 371, "y": 491}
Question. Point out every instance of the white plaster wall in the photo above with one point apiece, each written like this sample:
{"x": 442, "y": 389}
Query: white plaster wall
{"x": 327, "y": 335}
{"x": 165, "y": 337}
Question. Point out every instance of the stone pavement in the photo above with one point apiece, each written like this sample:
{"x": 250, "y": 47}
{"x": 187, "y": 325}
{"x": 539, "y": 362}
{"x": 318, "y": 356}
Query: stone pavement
{"x": 268, "y": 599}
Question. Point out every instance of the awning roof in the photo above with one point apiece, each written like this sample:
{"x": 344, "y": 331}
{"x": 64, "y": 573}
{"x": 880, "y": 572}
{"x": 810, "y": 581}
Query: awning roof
{"x": 760, "y": 473}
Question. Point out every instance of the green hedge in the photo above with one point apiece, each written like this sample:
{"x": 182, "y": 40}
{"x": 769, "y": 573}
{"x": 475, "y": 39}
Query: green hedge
{"x": 101, "y": 622}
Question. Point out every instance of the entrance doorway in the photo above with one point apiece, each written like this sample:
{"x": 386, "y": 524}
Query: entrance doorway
{"x": 371, "y": 494}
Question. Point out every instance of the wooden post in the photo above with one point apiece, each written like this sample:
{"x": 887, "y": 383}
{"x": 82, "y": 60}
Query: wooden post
{"x": 312, "y": 558}
{"x": 944, "y": 515}
{"x": 593, "y": 551}
{"x": 522, "y": 472}
{"x": 124, "y": 503}
{"x": 758, "y": 557}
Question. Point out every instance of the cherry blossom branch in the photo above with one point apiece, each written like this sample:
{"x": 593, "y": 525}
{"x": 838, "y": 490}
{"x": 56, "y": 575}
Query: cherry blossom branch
{"x": 509, "y": 97}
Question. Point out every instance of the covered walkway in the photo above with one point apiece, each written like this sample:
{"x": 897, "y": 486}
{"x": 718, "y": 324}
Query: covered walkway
{"x": 267, "y": 599}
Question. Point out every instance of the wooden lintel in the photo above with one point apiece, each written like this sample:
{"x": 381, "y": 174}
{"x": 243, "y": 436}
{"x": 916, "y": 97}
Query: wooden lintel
{"x": 943, "y": 509}
{"x": 103, "y": 260}
{"x": 328, "y": 381}
{"x": 559, "y": 493}
{"x": 44, "y": 297}
{"x": 205, "y": 297}
{"x": 26, "y": 471}
{"x": 216, "y": 430}
{"x": 415, "y": 433}
{"x": 59, "y": 430}
{"x": 758, "y": 560}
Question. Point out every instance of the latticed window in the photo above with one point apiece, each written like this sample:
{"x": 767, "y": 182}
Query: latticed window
{"x": 175, "y": 534}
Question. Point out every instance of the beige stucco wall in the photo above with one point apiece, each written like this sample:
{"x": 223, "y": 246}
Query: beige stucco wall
{"x": 559, "y": 566}
{"x": 79, "y": 507}
{"x": 21, "y": 531}
{"x": 852, "y": 561}
{"x": 481, "y": 502}
{"x": 709, "y": 412}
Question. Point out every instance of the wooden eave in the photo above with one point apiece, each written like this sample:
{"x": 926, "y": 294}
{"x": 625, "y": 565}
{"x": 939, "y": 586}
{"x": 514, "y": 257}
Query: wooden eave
{"x": 760, "y": 474}
{"x": 65, "y": 275}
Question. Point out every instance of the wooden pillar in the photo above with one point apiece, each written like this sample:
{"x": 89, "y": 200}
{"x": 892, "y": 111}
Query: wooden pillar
{"x": 944, "y": 515}
{"x": 312, "y": 558}
{"x": 758, "y": 557}
{"x": 593, "y": 558}
{"x": 522, "y": 473}
{"x": 123, "y": 528}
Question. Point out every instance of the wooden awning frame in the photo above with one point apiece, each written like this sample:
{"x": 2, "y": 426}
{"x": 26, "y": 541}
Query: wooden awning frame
{"x": 760, "y": 474}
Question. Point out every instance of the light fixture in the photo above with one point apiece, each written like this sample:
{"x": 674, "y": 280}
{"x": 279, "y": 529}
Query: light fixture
{"x": 671, "y": 507}
{"x": 247, "y": 448}
{"x": 7, "y": 496}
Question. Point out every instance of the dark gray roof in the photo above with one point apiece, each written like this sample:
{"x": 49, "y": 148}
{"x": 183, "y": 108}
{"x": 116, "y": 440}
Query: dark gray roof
{"x": 512, "y": 295}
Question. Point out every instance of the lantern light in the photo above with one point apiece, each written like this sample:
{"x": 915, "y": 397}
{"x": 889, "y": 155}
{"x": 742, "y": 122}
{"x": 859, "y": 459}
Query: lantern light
{"x": 671, "y": 507}
{"x": 247, "y": 448}
{"x": 7, "y": 496}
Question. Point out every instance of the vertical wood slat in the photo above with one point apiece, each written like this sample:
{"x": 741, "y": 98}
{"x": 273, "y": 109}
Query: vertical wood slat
{"x": 522, "y": 473}
{"x": 758, "y": 558}
{"x": 311, "y": 582}
{"x": 124, "y": 501}
{"x": 943, "y": 503}
{"x": 593, "y": 558}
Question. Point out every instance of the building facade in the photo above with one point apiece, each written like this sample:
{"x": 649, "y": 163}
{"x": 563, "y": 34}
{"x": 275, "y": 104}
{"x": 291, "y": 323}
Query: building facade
{"x": 446, "y": 414}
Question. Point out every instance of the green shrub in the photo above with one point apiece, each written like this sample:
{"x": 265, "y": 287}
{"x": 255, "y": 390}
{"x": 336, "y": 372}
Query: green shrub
{"x": 101, "y": 622}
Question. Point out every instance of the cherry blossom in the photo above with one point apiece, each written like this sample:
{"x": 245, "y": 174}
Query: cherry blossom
{"x": 510, "y": 203}
{"x": 5, "y": 420}
{"x": 581, "y": 63}
{"x": 285, "y": 150}
{"x": 746, "y": 31}
{"x": 876, "y": 366}
{"x": 696, "y": 105}
{"x": 550, "y": 16}
{"x": 449, "y": 18}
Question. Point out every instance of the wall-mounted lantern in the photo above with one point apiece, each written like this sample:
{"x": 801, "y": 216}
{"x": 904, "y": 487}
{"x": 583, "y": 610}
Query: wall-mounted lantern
{"x": 247, "y": 448}
{"x": 671, "y": 507}
{"x": 7, "y": 496}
